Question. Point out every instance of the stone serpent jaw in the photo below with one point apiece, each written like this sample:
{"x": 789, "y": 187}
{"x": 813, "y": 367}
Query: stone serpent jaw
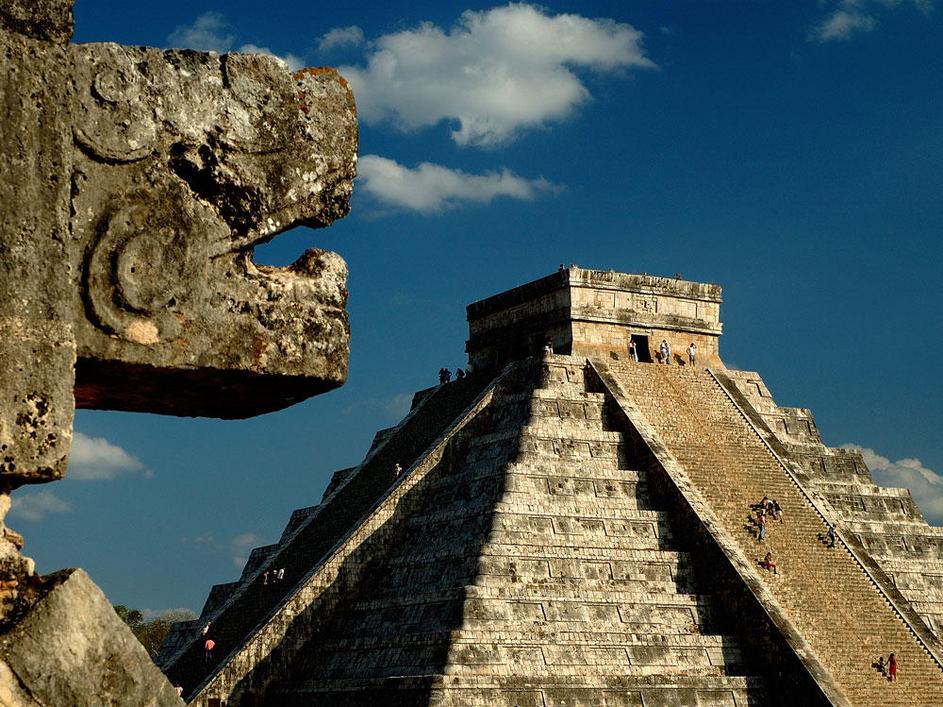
{"x": 186, "y": 162}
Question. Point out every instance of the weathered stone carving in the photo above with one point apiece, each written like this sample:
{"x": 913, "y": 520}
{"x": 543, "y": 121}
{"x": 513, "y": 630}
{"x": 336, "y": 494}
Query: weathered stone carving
{"x": 72, "y": 647}
{"x": 134, "y": 184}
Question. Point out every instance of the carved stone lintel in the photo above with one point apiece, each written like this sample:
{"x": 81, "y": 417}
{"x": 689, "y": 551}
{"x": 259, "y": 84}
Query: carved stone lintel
{"x": 134, "y": 184}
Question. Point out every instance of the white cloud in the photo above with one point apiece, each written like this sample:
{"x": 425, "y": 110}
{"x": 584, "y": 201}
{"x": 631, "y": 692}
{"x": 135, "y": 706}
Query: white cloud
{"x": 341, "y": 37}
{"x": 241, "y": 546}
{"x": 431, "y": 188}
{"x": 209, "y": 32}
{"x": 496, "y": 72}
{"x": 842, "y": 24}
{"x": 95, "y": 458}
{"x": 926, "y": 485}
{"x": 37, "y": 505}
{"x": 850, "y": 17}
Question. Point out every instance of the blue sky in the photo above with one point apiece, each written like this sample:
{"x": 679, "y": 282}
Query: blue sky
{"x": 792, "y": 152}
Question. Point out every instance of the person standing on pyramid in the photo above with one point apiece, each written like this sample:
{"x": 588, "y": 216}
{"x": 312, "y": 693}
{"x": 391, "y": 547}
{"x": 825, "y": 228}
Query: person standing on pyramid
{"x": 665, "y": 351}
{"x": 892, "y": 668}
{"x": 692, "y": 354}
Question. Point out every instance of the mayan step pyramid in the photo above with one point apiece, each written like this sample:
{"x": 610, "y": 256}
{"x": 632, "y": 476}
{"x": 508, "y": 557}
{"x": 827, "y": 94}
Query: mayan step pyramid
{"x": 574, "y": 528}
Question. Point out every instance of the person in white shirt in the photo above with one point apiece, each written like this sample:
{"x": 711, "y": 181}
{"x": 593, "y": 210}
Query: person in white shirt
{"x": 692, "y": 353}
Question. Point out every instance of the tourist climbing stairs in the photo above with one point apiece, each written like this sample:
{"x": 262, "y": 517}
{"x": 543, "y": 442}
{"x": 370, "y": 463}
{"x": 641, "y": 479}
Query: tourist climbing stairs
{"x": 534, "y": 574}
{"x": 309, "y": 537}
{"x": 825, "y": 592}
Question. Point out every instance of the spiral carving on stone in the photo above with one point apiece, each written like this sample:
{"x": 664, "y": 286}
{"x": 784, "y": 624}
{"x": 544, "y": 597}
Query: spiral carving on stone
{"x": 112, "y": 122}
{"x": 141, "y": 269}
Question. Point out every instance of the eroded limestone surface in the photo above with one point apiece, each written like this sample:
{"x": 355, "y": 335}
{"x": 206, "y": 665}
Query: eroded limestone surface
{"x": 577, "y": 529}
{"x": 73, "y": 649}
{"x": 134, "y": 185}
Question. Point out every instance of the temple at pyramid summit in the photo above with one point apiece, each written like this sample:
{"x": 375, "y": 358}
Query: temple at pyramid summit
{"x": 578, "y": 522}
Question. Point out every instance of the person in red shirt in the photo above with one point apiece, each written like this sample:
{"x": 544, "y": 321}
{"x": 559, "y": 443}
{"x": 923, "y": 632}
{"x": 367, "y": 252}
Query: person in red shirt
{"x": 209, "y": 646}
{"x": 892, "y": 668}
{"x": 769, "y": 564}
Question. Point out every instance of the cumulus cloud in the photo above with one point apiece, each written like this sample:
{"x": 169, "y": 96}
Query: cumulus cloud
{"x": 843, "y": 24}
{"x": 495, "y": 73}
{"x": 850, "y": 17}
{"x": 95, "y": 459}
{"x": 241, "y": 546}
{"x": 341, "y": 37}
{"x": 431, "y": 188}
{"x": 37, "y": 505}
{"x": 211, "y": 32}
{"x": 926, "y": 485}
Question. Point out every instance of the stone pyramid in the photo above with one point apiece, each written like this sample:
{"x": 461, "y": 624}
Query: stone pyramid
{"x": 573, "y": 529}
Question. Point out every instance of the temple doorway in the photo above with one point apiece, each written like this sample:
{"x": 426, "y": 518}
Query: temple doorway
{"x": 641, "y": 347}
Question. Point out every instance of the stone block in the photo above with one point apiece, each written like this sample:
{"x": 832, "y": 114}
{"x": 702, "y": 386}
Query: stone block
{"x": 73, "y": 649}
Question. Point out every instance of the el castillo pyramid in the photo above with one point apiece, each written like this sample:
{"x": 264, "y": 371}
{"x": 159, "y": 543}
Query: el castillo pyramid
{"x": 572, "y": 527}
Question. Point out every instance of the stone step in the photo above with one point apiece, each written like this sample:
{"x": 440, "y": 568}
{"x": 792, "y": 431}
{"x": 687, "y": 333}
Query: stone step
{"x": 594, "y": 469}
{"x": 568, "y": 394}
{"x": 537, "y": 487}
{"x": 584, "y": 596}
{"x": 587, "y": 552}
{"x": 566, "y": 508}
{"x": 528, "y": 569}
{"x": 552, "y": 428}
{"x": 555, "y": 586}
{"x": 823, "y": 592}
{"x": 914, "y": 527}
{"x": 540, "y": 480}
{"x": 557, "y": 690}
{"x": 663, "y": 540}
{"x": 533, "y": 635}
{"x": 656, "y": 621}
{"x": 495, "y": 552}
{"x": 603, "y": 453}
{"x": 856, "y": 487}
{"x": 535, "y": 595}
{"x": 574, "y": 505}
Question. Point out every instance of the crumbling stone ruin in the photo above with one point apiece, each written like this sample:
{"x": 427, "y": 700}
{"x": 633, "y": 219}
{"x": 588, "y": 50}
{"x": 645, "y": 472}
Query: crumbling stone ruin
{"x": 575, "y": 528}
{"x": 134, "y": 184}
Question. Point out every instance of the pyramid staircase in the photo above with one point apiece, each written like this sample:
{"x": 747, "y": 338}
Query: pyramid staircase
{"x": 241, "y": 609}
{"x": 885, "y": 520}
{"x": 520, "y": 561}
{"x": 845, "y": 610}
{"x": 568, "y": 534}
{"x": 544, "y": 576}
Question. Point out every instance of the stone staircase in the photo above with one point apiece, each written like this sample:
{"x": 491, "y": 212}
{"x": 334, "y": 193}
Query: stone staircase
{"x": 825, "y": 593}
{"x": 236, "y": 609}
{"x": 532, "y": 570}
{"x": 886, "y": 521}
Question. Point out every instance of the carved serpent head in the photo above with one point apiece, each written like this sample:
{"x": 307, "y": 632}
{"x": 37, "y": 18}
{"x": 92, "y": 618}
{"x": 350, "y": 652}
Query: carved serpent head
{"x": 184, "y": 162}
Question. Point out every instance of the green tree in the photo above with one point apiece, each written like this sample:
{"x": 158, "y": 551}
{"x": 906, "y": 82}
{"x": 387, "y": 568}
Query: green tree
{"x": 152, "y": 632}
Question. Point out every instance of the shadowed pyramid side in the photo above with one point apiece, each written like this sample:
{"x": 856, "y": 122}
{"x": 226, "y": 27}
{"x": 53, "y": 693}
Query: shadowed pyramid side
{"x": 534, "y": 569}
